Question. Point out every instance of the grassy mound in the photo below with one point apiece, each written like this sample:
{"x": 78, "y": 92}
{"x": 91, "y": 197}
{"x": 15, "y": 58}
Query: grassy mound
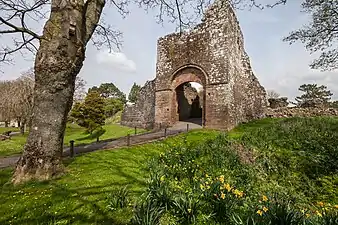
{"x": 264, "y": 172}
{"x": 284, "y": 167}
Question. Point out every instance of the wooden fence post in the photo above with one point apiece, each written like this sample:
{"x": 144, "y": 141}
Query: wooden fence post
{"x": 135, "y": 130}
{"x": 128, "y": 140}
{"x": 71, "y": 149}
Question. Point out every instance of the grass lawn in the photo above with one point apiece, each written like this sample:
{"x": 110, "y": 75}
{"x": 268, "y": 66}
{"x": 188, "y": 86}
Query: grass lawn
{"x": 73, "y": 132}
{"x": 79, "y": 197}
{"x": 296, "y": 157}
{"x": 4, "y": 129}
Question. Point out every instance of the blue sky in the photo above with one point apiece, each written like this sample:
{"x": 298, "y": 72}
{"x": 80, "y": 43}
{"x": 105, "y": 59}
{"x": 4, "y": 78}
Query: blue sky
{"x": 277, "y": 65}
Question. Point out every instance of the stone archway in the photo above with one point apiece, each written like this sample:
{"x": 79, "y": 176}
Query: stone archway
{"x": 185, "y": 103}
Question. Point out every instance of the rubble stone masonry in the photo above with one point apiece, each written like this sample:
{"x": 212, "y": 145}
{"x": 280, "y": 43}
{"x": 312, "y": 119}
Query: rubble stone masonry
{"x": 213, "y": 55}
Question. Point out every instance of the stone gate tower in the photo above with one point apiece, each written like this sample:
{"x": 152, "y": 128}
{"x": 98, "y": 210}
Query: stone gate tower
{"x": 212, "y": 54}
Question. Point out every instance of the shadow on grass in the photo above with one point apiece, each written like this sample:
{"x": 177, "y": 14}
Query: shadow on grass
{"x": 96, "y": 134}
{"x": 74, "y": 206}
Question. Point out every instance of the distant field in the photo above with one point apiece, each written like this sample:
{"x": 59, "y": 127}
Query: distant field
{"x": 73, "y": 132}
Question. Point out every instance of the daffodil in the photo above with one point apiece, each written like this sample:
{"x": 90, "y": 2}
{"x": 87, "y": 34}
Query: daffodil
{"x": 162, "y": 178}
{"x": 238, "y": 193}
{"x": 321, "y": 204}
{"x": 265, "y": 209}
{"x": 336, "y": 206}
{"x": 227, "y": 187}
{"x": 265, "y": 198}
{"x": 222, "y": 196}
{"x": 260, "y": 212}
{"x": 221, "y": 179}
{"x": 319, "y": 214}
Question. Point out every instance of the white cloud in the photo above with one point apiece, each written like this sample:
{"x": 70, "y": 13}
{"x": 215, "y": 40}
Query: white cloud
{"x": 116, "y": 60}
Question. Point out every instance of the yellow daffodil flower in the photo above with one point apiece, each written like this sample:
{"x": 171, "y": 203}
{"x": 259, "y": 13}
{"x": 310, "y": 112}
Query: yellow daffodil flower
{"x": 221, "y": 179}
{"x": 319, "y": 214}
{"x": 227, "y": 187}
{"x": 321, "y": 204}
{"x": 222, "y": 196}
{"x": 265, "y": 209}
{"x": 260, "y": 212}
{"x": 265, "y": 198}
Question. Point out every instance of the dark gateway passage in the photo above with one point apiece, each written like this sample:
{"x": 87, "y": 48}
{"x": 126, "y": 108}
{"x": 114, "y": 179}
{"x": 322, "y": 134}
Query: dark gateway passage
{"x": 189, "y": 104}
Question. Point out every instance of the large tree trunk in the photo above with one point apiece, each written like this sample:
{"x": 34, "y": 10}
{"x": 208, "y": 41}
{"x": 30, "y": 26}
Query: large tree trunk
{"x": 58, "y": 61}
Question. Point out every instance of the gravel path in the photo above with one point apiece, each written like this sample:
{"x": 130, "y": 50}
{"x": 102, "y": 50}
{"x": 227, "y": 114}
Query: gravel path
{"x": 178, "y": 128}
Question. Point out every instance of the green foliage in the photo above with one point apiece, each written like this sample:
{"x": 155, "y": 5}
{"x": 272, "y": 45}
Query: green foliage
{"x": 313, "y": 95}
{"x": 112, "y": 106}
{"x": 119, "y": 198}
{"x": 109, "y": 90}
{"x": 90, "y": 113}
{"x": 132, "y": 97}
{"x": 147, "y": 213}
{"x": 114, "y": 119}
{"x": 301, "y": 153}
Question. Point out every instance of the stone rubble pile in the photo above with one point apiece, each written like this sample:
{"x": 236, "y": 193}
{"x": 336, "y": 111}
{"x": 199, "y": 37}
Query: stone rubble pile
{"x": 284, "y": 112}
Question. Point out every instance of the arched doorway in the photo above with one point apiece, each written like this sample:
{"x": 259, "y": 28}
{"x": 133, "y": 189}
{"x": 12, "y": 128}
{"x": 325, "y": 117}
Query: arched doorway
{"x": 188, "y": 100}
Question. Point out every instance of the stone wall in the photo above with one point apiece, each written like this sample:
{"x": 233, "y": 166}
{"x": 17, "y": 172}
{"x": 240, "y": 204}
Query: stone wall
{"x": 213, "y": 55}
{"x": 278, "y": 102}
{"x": 285, "y": 112}
{"x": 142, "y": 113}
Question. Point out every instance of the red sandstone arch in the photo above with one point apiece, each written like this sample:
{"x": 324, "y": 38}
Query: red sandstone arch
{"x": 185, "y": 74}
{"x": 189, "y": 73}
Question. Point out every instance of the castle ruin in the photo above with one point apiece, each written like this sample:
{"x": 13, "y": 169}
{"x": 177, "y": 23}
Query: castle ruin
{"x": 211, "y": 54}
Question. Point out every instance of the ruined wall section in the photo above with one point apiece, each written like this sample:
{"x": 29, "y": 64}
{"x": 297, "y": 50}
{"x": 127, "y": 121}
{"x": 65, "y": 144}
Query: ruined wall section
{"x": 142, "y": 113}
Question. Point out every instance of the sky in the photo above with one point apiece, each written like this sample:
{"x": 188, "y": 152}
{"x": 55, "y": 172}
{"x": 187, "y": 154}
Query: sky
{"x": 278, "y": 65}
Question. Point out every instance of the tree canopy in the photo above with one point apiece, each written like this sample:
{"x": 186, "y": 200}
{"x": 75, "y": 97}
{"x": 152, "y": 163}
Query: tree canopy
{"x": 109, "y": 90}
{"x": 132, "y": 97}
{"x": 313, "y": 95}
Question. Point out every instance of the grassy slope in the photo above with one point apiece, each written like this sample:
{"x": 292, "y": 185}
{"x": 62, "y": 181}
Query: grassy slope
{"x": 79, "y": 196}
{"x": 300, "y": 155}
{"x": 73, "y": 132}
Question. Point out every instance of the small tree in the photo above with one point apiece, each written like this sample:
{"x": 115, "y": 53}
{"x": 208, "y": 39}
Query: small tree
{"x": 272, "y": 94}
{"x": 135, "y": 89}
{"x": 90, "y": 113}
{"x": 112, "y": 106}
{"x": 314, "y": 95}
